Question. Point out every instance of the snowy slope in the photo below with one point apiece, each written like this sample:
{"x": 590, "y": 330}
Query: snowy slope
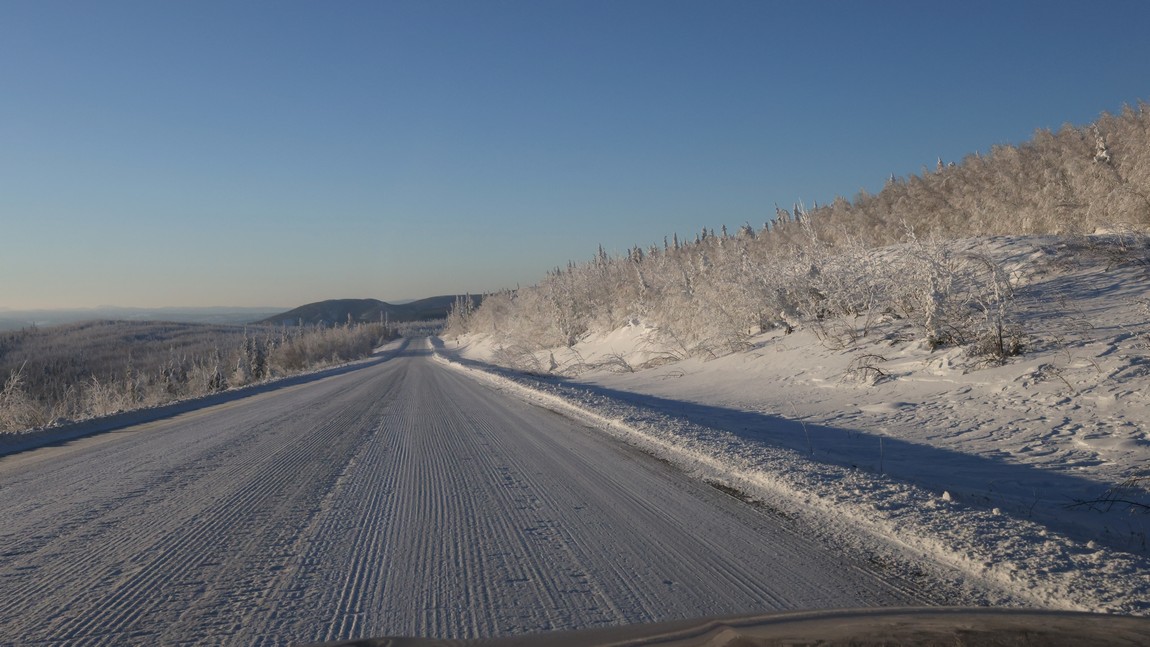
{"x": 1033, "y": 474}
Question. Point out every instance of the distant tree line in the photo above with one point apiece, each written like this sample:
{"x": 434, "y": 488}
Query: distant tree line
{"x": 82, "y": 370}
{"x": 844, "y": 267}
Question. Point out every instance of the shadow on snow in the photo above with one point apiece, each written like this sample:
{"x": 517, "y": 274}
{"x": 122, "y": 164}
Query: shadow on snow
{"x": 1022, "y": 490}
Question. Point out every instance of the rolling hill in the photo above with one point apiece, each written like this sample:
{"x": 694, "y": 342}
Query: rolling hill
{"x": 335, "y": 311}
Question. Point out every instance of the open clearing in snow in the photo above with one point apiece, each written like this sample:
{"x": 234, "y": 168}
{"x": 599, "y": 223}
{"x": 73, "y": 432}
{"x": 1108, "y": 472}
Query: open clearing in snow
{"x": 401, "y": 498}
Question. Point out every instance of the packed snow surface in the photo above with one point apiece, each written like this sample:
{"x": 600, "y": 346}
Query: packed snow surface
{"x": 398, "y": 497}
{"x": 1032, "y": 476}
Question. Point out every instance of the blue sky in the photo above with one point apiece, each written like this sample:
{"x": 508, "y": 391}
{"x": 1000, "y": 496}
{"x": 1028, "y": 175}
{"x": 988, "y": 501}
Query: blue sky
{"x": 276, "y": 153}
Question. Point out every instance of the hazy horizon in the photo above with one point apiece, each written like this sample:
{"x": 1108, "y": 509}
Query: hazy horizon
{"x": 236, "y": 308}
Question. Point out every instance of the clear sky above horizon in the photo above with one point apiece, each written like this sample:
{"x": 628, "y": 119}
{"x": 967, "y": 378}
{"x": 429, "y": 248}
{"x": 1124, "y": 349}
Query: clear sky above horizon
{"x": 278, "y": 153}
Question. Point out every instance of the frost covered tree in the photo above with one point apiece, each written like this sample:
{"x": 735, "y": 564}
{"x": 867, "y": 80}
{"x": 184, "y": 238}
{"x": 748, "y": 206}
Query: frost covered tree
{"x": 841, "y": 267}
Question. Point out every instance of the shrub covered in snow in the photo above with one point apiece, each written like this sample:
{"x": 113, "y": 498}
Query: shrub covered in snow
{"x": 844, "y": 267}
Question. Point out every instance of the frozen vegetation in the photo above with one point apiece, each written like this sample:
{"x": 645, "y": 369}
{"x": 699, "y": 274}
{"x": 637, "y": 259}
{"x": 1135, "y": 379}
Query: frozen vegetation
{"x": 58, "y": 374}
{"x": 842, "y": 268}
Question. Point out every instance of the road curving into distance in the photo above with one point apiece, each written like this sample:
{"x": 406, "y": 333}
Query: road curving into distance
{"x": 398, "y": 499}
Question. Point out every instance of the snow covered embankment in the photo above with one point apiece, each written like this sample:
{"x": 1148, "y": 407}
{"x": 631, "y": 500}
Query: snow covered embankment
{"x": 995, "y": 557}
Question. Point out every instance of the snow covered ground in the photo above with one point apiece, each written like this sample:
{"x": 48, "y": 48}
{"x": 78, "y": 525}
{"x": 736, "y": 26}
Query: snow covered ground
{"x": 1032, "y": 476}
{"x": 401, "y": 498}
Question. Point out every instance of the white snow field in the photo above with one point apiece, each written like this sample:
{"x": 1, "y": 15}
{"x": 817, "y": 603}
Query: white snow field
{"x": 1032, "y": 478}
{"x": 398, "y": 498}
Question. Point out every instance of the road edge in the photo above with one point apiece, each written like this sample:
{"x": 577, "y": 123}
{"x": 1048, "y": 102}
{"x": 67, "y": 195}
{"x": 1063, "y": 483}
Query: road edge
{"x": 790, "y": 484}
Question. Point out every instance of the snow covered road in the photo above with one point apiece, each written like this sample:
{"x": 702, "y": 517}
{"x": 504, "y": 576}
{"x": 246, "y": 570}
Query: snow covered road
{"x": 401, "y": 498}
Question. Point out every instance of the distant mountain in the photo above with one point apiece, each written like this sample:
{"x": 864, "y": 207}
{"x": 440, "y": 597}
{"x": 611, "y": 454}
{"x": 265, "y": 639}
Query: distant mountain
{"x": 16, "y": 319}
{"x": 337, "y": 311}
